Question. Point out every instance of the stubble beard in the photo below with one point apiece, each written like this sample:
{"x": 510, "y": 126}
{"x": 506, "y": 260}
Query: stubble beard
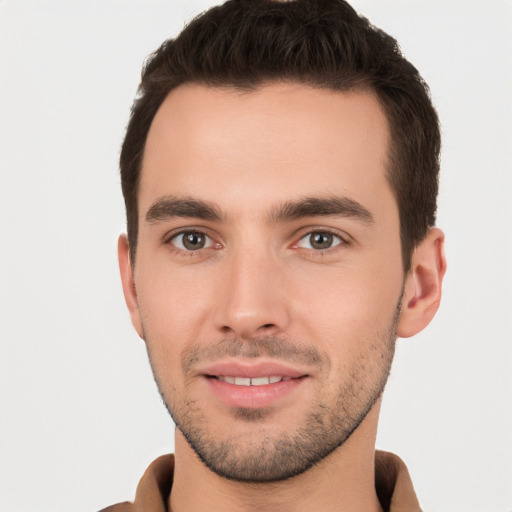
{"x": 324, "y": 429}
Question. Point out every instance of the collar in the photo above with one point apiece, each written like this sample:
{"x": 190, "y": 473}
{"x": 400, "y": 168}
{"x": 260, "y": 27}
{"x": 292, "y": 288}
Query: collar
{"x": 392, "y": 482}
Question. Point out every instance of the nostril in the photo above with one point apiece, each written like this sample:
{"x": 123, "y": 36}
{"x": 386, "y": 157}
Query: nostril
{"x": 248, "y": 327}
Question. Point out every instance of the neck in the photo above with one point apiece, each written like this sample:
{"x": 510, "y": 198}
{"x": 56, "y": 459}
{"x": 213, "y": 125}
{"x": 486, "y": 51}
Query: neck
{"x": 343, "y": 481}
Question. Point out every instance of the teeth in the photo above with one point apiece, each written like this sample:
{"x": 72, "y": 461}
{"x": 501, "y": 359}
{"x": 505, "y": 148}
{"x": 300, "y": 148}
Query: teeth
{"x": 259, "y": 381}
{"x": 256, "y": 381}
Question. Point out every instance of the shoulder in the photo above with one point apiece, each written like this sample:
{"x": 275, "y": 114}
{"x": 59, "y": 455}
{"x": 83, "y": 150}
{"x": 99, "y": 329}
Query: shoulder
{"x": 153, "y": 489}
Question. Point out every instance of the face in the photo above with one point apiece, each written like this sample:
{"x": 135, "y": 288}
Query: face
{"x": 269, "y": 273}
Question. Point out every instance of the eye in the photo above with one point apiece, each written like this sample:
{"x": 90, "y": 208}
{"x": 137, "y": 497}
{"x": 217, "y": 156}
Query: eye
{"x": 319, "y": 241}
{"x": 191, "y": 241}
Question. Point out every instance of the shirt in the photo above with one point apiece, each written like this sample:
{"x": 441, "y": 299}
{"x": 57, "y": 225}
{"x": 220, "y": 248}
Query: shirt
{"x": 392, "y": 483}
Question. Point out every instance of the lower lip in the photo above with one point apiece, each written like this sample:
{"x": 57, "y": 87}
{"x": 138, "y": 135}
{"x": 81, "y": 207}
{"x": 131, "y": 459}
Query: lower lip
{"x": 253, "y": 397}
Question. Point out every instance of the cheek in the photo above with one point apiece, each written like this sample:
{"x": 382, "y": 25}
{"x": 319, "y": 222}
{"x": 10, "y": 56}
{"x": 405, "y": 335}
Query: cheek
{"x": 171, "y": 302}
{"x": 348, "y": 310}
{"x": 172, "y": 313}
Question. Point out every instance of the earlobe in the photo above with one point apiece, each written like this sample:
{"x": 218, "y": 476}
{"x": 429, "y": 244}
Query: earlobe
{"x": 423, "y": 285}
{"x": 128, "y": 281}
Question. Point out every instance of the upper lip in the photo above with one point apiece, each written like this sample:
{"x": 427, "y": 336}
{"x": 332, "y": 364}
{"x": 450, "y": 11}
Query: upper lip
{"x": 251, "y": 369}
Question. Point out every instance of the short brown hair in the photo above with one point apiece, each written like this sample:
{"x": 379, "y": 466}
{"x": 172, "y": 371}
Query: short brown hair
{"x": 322, "y": 43}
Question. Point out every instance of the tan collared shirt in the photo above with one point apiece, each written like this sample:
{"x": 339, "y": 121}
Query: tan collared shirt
{"x": 392, "y": 482}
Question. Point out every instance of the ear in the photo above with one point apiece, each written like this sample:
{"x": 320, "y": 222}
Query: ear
{"x": 422, "y": 292}
{"x": 128, "y": 280}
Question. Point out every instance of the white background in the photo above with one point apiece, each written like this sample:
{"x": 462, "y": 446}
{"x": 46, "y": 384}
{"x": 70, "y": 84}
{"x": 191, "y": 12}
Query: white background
{"x": 80, "y": 414}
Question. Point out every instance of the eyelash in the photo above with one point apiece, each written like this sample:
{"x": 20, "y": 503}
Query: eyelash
{"x": 168, "y": 240}
{"x": 343, "y": 241}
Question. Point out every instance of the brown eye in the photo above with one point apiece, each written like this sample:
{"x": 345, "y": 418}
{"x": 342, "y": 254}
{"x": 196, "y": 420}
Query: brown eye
{"x": 191, "y": 241}
{"x": 319, "y": 241}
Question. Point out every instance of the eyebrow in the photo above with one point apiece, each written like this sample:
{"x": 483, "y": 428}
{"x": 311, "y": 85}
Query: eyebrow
{"x": 322, "y": 206}
{"x": 168, "y": 207}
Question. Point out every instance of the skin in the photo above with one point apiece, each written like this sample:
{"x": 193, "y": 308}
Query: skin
{"x": 225, "y": 165}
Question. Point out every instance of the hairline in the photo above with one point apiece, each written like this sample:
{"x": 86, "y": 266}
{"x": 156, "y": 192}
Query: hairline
{"x": 392, "y": 159}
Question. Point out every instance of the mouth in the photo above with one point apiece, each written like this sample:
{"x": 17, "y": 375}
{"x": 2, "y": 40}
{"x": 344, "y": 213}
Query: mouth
{"x": 253, "y": 385}
{"x": 247, "y": 381}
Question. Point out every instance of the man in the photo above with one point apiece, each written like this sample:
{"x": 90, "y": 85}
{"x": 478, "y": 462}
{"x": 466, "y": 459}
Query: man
{"x": 280, "y": 176}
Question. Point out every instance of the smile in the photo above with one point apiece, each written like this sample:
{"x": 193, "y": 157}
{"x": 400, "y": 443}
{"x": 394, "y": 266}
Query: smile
{"x": 256, "y": 381}
{"x": 253, "y": 384}
{"x": 254, "y": 392}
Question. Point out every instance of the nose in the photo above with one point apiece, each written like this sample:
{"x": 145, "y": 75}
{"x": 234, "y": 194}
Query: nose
{"x": 252, "y": 298}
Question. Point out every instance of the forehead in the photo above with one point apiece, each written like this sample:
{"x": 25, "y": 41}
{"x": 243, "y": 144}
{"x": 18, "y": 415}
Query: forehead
{"x": 277, "y": 140}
